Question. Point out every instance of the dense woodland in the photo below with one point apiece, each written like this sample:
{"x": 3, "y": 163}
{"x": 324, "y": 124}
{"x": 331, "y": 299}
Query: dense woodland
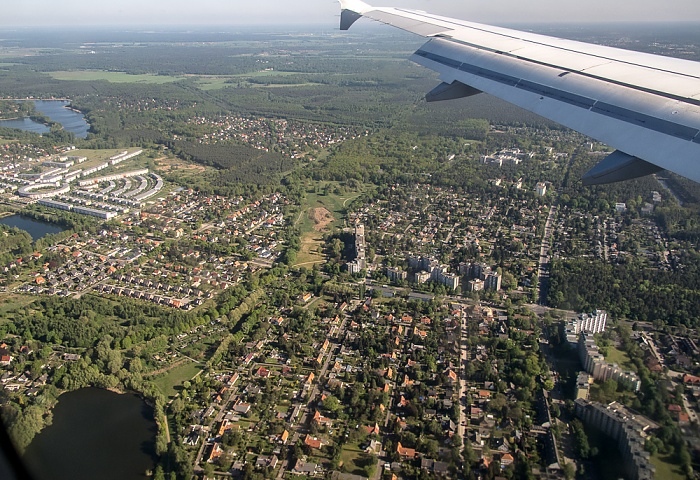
{"x": 629, "y": 290}
{"x": 238, "y": 163}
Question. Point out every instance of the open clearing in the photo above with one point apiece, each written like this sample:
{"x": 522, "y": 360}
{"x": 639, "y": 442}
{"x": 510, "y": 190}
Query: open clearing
{"x": 168, "y": 164}
{"x": 665, "y": 468}
{"x": 113, "y": 77}
{"x": 312, "y": 241}
{"x": 321, "y": 213}
{"x": 621, "y": 358}
{"x": 174, "y": 377}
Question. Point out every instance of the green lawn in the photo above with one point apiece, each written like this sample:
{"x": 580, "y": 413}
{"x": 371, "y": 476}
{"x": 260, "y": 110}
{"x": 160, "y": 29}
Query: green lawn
{"x": 618, "y": 356}
{"x": 665, "y": 469}
{"x": 113, "y": 77}
{"x": 354, "y": 460}
{"x": 9, "y": 302}
{"x": 173, "y": 378}
{"x": 311, "y": 232}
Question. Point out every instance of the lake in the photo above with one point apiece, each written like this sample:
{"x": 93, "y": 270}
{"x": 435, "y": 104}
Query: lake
{"x": 95, "y": 434}
{"x": 26, "y": 124}
{"x": 56, "y": 110}
{"x": 36, "y": 228}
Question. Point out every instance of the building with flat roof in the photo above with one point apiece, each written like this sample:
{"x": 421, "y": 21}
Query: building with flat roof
{"x": 492, "y": 281}
{"x": 396, "y": 274}
{"x": 541, "y": 189}
{"x": 43, "y": 190}
{"x": 627, "y": 428}
{"x": 360, "y": 262}
{"x": 586, "y": 322}
{"x": 594, "y": 363}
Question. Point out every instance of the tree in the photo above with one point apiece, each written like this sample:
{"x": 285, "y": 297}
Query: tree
{"x": 209, "y": 470}
{"x": 332, "y": 404}
{"x": 609, "y": 390}
{"x": 159, "y": 474}
{"x": 569, "y": 470}
{"x": 497, "y": 403}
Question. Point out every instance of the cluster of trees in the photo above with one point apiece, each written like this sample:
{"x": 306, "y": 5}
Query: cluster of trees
{"x": 237, "y": 163}
{"x": 80, "y": 322}
{"x": 10, "y": 109}
{"x": 14, "y": 243}
{"x": 629, "y": 289}
{"x": 238, "y": 330}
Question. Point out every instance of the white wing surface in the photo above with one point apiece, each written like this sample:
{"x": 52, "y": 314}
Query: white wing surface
{"x": 646, "y": 106}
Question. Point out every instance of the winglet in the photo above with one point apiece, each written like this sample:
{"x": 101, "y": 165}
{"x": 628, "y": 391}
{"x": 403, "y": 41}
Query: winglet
{"x": 351, "y": 11}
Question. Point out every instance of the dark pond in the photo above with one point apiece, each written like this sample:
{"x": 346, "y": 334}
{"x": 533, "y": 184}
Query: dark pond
{"x": 36, "y": 228}
{"x": 95, "y": 434}
{"x": 26, "y": 124}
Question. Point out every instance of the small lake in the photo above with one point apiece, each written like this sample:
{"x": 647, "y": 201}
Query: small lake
{"x": 26, "y": 124}
{"x": 95, "y": 434}
{"x": 36, "y": 228}
{"x": 56, "y": 110}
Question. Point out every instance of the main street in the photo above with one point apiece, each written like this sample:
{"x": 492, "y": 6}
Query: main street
{"x": 542, "y": 271}
{"x": 463, "y": 359}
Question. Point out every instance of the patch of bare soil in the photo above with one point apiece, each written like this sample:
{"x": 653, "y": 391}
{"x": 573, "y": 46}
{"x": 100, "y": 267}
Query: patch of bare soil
{"x": 321, "y": 218}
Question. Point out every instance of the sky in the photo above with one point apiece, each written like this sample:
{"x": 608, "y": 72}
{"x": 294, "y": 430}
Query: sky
{"x": 325, "y": 12}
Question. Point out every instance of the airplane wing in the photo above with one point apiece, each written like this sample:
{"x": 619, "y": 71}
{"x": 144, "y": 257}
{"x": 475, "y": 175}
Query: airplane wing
{"x": 646, "y": 106}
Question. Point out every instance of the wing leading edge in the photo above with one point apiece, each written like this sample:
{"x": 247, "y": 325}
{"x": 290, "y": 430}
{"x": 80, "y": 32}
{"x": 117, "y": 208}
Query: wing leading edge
{"x": 645, "y": 106}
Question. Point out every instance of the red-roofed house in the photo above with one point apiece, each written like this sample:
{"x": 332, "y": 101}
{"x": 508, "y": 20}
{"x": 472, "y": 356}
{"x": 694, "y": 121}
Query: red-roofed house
{"x": 372, "y": 430}
{"x": 313, "y": 442}
{"x": 451, "y": 376}
{"x": 405, "y": 452}
{"x": 321, "y": 420}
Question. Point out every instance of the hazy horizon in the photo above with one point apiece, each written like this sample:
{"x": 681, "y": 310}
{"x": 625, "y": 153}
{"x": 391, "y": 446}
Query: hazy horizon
{"x": 33, "y": 13}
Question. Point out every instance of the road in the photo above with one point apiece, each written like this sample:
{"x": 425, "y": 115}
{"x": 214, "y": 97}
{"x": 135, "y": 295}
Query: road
{"x": 542, "y": 272}
{"x": 463, "y": 359}
{"x": 312, "y": 396}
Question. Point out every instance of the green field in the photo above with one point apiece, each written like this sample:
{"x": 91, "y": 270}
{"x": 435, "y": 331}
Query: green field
{"x": 356, "y": 461}
{"x": 665, "y": 469}
{"x": 264, "y": 73}
{"x": 10, "y": 302}
{"x": 113, "y": 77}
{"x": 173, "y": 378}
{"x": 618, "y": 356}
{"x": 311, "y": 230}
{"x": 214, "y": 82}
{"x": 285, "y": 85}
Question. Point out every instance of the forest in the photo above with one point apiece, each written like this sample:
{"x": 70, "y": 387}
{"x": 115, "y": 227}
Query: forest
{"x": 237, "y": 163}
{"x": 629, "y": 289}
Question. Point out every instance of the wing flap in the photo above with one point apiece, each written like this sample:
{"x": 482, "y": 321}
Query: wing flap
{"x": 618, "y": 166}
